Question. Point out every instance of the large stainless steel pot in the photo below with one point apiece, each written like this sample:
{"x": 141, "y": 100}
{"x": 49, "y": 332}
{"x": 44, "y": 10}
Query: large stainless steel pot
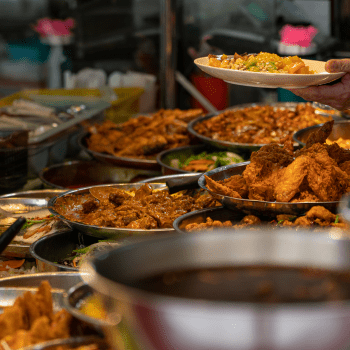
{"x": 155, "y": 322}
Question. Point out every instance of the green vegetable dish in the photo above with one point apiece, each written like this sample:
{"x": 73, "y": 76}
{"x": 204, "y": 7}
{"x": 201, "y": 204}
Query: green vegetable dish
{"x": 205, "y": 161}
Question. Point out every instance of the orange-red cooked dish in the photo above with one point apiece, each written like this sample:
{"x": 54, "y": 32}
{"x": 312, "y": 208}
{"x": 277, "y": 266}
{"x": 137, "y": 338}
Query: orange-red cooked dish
{"x": 263, "y": 62}
{"x": 144, "y": 136}
{"x": 259, "y": 124}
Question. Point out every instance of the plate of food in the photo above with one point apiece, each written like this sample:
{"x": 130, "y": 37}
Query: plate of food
{"x": 247, "y": 127}
{"x": 280, "y": 180}
{"x": 195, "y": 159}
{"x": 136, "y": 142}
{"x": 121, "y": 210}
{"x": 266, "y": 70}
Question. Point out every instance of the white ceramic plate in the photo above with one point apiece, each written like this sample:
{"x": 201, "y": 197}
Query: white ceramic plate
{"x": 271, "y": 80}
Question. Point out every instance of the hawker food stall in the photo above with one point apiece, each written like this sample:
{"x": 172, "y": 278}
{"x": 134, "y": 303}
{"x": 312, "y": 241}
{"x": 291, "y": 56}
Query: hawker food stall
{"x": 179, "y": 228}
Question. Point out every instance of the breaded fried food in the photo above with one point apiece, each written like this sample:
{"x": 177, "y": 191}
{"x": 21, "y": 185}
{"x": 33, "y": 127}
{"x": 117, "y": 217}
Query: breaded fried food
{"x": 31, "y": 320}
{"x": 321, "y": 135}
{"x": 220, "y": 189}
{"x": 316, "y": 173}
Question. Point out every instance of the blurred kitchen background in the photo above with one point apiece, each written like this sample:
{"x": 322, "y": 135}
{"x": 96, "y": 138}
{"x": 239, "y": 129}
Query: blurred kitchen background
{"x": 160, "y": 38}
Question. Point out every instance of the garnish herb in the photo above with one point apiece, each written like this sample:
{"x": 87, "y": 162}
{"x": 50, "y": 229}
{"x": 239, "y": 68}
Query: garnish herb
{"x": 336, "y": 219}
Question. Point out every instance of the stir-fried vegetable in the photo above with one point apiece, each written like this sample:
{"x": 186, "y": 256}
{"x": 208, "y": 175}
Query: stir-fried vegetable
{"x": 207, "y": 161}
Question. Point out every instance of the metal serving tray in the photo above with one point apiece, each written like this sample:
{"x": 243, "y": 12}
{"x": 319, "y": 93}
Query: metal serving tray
{"x": 106, "y": 232}
{"x": 236, "y": 146}
{"x": 255, "y": 206}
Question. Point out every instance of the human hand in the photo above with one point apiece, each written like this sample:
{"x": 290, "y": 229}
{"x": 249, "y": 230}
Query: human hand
{"x": 337, "y": 95}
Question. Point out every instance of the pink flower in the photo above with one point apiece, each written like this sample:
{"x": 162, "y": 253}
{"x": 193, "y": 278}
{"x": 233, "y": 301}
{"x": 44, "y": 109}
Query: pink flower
{"x": 301, "y": 36}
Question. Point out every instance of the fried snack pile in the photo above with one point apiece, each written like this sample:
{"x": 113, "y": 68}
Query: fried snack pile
{"x": 31, "y": 320}
{"x": 259, "y": 124}
{"x": 263, "y": 62}
{"x": 316, "y": 173}
{"x": 144, "y": 136}
{"x": 142, "y": 209}
{"x": 317, "y": 216}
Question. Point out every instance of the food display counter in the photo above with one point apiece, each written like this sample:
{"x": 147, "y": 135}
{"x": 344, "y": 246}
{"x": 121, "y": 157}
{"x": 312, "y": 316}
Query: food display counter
{"x": 162, "y": 231}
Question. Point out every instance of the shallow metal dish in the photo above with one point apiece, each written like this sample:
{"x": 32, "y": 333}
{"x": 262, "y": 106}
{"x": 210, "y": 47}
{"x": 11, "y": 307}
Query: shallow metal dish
{"x": 164, "y": 158}
{"x": 246, "y": 148}
{"x": 77, "y": 174}
{"x": 341, "y": 128}
{"x": 199, "y": 216}
{"x": 49, "y": 193}
{"x": 9, "y": 295}
{"x": 255, "y": 206}
{"x": 157, "y": 322}
{"x": 138, "y": 163}
{"x": 57, "y": 280}
{"x": 56, "y": 247}
{"x": 106, "y": 232}
{"x": 165, "y": 178}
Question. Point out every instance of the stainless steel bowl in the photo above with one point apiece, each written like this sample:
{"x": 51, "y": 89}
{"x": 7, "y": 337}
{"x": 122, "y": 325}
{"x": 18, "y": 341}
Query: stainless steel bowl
{"x": 165, "y": 178}
{"x": 341, "y": 129}
{"x": 49, "y": 250}
{"x": 77, "y": 174}
{"x": 182, "y": 153}
{"x": 255, "y": 206}
{"x": 105, "y": 232}
{"x": 156, "y": 322}
{"x": 199, "y": 216}
{"x": 247, "y": 148}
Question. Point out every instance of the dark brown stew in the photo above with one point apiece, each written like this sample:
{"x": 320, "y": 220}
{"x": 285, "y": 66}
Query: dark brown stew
{"x": 254, "y": 284}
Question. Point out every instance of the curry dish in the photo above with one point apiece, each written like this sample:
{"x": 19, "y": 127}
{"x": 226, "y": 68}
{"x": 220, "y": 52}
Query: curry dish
{"x": 259, "y": 124}
{"x": 142, "y": 208}
{"x": 263, "y": 62}
{"x": 316, "y": 173}
{"x": 145, "y": 136}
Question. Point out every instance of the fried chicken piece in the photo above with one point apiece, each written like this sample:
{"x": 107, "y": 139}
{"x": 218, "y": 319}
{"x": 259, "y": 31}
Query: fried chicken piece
{"x": 305, "y": 196}
{"x": 251, "y": 220}
{"x": 326, "y": 179}
{"x": 237, "y": 183}
{"x": 220, "y": 189}
{"x": 291, "y": 179}
{"x": 320, "y": 212}
{"x": 321, "y": 135}
{"x": 265, "y": 190}
{"x": 345, "y": 167}
{"x": 302, "y": 221}
{"x": 339, "y": 154}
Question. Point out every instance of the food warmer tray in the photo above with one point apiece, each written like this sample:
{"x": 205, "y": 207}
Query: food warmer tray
{"x": 21, "y": 249}
{"x": 236, "y": 146}
{"x": 255, "y": 206}
{"x": 135, "y": 163}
